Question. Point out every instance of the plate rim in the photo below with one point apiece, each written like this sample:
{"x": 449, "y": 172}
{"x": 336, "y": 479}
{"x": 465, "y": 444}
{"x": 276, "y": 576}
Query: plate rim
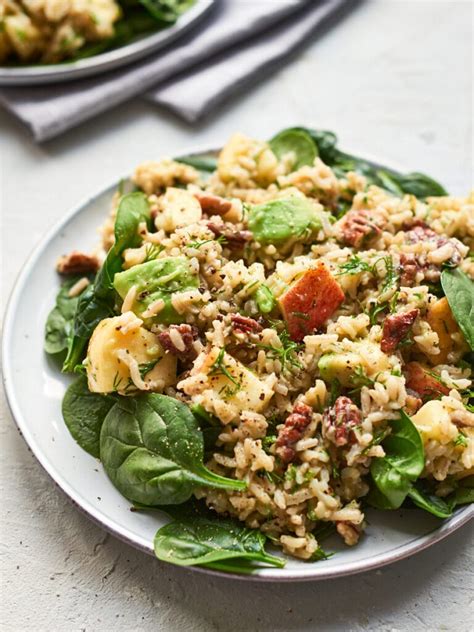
{"x": 109, "y": 60}
{"x": 417, "y": 544}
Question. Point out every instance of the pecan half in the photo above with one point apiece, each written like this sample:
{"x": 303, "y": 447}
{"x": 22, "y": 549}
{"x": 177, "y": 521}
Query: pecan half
{"x": 234, "y": 239}
{"x": 358, "y": 226}
{"x": 340, "y": 420}
{"x": 213, "y": 204}
{"x": 244, "y": 325}
{"x": 292, "y": 431}
{"x": 395, "y": 328}
{"x": 77, "y": 263}
{"x": 178, "y": 340}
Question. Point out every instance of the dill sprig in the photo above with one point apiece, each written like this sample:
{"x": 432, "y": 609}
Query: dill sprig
{"x": 218, "y": 367}
{"x": 359, "y": 378}
{"x": 197, "y": 244}
{"x": 355, "y": 265}
{"x": 461, "y": 440}
{"x": 286, "y": 353}
{"x": 152, "y": 251}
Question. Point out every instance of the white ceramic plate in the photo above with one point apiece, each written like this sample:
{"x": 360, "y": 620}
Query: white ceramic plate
{"x": 35, "y": 388}
{"x": 143, "y": 46}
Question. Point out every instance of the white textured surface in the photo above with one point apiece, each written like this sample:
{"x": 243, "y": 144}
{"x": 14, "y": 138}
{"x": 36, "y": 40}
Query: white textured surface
{"x": 395, "y": 80}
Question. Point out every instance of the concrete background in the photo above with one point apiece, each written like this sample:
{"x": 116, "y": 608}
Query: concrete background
{"x": 395, "y": 80}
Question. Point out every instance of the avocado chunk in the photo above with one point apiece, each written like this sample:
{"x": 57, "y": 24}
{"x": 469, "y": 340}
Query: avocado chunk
{"x": 154, "y": 280}
{"x": 277, "y": 221}
{"x": 339, "y": 366}
{"x": 347, "y": 366}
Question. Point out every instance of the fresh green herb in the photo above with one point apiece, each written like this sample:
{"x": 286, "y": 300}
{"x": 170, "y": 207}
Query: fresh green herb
{"x": 221, "y": 239}
{"x": 152, "y": 450}
{"x": 213, "y": 542}
{"x": 286, "y": 353}
{"x": 273, "y": 477}
{"x": 268, "y": 441}
{"x": 391, "y": 275}
{"x": 359, "y": 378}
{"x": 218, "y": 367}
{"x": 152, "y": 251}
{"x": 374, "y": 310}
{"x": 322, "y": 530}
{"x": 459, "y": 290}
{"x": 461, "y": 440}
{"x": 468, "y": 399}
{"x": 81, "y": 369}
{"x": 392, "y": 304}
{"x": 378, "y": 436}
{"x": 290, "y": 474}
{"x": 146, "y": 367}
{"x": 60, "y": 321}
{"x": 84, "y": 412}
{"x": 320, "y": 554}
{"x": 335, "y": 391}
{"x": 355, "y": 265}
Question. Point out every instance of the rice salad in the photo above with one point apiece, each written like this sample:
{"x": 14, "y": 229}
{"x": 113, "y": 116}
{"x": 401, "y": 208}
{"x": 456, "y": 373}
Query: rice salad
{"x": 55, "y": 31}
{"x": 312, "y": 313}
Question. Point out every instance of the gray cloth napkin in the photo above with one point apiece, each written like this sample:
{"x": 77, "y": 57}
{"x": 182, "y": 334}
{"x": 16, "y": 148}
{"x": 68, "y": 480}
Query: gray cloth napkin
{"x": 239, "y": 41}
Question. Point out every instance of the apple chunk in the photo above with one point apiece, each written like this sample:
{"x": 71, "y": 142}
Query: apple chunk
{"x": 123, "y": 356}
{"x": 310, "y": 301}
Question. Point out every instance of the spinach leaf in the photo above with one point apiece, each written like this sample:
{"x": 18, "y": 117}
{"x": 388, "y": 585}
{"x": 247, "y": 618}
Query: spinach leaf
{"x": 167, "y": 11}
{"x": 325, "y": 142}
{"x": 98, "y": 301}
{"x": 209, "y": 425}
{"x": 132, "y": 211}
{"x": 152, "y": 450}
{"x": 464, "y": 494}
{"x": 418, "y": 184}
{"x": 402, "y": 464}
{"x": 415, "y": 183}
{"x": 430, "y": 502}
{"x": 443, "y": 507}
{"x": 214, "y": 542}
{"x": 60, "y": 320}
{"x": 459, "y": 290}
{"x": 206, "y": 163}
{"x": 84, "y": 413}
{"x": 299, "y": 143}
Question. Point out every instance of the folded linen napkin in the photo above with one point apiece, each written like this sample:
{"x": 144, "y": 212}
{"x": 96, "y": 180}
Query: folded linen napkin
{"x": 239, "y": 41}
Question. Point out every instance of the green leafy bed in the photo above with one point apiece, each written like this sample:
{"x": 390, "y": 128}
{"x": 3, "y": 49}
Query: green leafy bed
{"x": 152, "y": 446}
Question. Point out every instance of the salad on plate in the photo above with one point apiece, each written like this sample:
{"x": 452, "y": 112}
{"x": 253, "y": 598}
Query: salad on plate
{"x": 269, "y": 340}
